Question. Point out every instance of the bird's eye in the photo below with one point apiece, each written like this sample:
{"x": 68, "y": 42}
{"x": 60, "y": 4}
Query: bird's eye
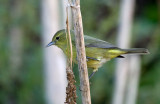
{"x": 57, "y": 38}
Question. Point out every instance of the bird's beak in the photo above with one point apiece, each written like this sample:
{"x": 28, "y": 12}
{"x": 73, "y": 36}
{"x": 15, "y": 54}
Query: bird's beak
{"x": 51, "y": 43}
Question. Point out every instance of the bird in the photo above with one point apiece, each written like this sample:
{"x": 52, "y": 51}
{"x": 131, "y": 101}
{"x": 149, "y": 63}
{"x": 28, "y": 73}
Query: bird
{"x": 98, "y": 51}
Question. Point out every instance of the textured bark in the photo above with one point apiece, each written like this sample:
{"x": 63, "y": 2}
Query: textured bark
{"x": 81, "y": 55}
{"x": 71, "y": 88}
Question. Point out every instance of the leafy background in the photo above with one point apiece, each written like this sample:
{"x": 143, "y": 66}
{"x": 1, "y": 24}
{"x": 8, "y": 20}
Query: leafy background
{"x": 100, "y": 19}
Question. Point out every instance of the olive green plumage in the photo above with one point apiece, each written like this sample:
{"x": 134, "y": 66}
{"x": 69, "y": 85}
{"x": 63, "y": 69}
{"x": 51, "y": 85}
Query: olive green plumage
{"x": 97, "y": 51}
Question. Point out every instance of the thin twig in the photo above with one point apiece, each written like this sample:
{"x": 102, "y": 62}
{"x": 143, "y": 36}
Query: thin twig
{"x": 71, "y": 88}
{"x": 68, "y": 36}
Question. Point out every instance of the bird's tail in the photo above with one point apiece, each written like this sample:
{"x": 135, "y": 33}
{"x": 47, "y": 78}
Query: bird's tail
{"x": 136, "y": 50}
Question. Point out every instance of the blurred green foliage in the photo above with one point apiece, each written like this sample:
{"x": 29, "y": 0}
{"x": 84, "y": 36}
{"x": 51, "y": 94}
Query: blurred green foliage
{"x": 27, "y": 86}
{"x": 100, "y": 19}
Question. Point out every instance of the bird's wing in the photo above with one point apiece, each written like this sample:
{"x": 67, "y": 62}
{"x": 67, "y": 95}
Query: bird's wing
{"x": 93, "y": 42}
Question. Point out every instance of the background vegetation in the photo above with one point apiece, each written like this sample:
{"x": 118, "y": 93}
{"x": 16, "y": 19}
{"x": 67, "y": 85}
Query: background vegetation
{"x": 24, "y": 85}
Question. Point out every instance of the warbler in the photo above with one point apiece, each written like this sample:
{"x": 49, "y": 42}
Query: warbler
{"x": 98, "y": 51}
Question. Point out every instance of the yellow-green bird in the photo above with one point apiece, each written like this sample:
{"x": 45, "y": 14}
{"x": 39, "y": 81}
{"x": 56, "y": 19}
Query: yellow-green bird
{"x": 97, "y": 51}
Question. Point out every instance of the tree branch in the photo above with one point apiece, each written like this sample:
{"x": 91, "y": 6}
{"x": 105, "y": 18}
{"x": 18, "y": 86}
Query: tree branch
{"x": 71, "y": 88}
{"x": 81, "y": 55}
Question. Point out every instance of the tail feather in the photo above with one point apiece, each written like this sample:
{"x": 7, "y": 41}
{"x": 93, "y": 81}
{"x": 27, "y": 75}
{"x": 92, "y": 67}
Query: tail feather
{"x": 136, "y": 50}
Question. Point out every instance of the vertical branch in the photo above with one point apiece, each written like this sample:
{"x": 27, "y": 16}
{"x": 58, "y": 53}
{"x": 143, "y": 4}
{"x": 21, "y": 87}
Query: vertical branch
{"x": 68, "y": 36}
{"x": 133, "y": 79}
{"x": 81, "y": 55}
{"x": 71, "y": 88}
{"x": 54, "y": 60}
{"x": 16, "y": 49}
{"x": 123, "y": 66}
{"x": 16, "y": 40}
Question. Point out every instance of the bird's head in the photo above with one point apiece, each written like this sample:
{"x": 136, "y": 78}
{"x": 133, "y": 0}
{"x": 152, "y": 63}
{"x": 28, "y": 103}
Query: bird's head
{"x": 59, "y": 39}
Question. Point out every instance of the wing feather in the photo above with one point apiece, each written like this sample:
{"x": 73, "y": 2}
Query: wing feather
{"x": 93, "y": 42}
